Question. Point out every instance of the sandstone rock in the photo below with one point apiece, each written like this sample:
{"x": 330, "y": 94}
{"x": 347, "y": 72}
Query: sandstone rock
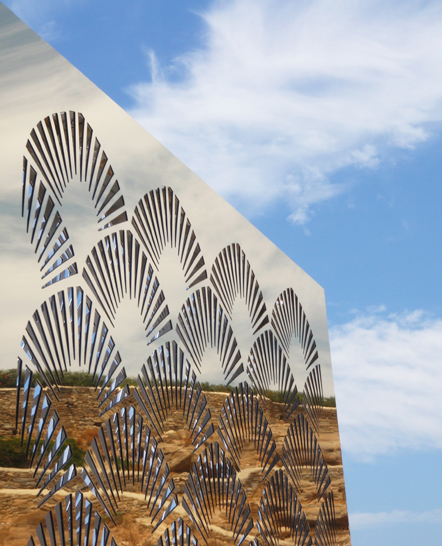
{"x": 20, "y": 516}
{"x": 182, "y": 461}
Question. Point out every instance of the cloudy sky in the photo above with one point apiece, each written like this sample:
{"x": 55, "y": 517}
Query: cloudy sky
{"x": 321, "y": 122}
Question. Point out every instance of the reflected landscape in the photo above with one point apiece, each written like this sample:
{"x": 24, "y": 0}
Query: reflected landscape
{"x": 206, "y": 388}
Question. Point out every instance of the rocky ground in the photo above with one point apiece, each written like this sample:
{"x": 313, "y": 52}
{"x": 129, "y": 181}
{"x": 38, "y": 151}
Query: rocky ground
{"x": 20, "y": 515}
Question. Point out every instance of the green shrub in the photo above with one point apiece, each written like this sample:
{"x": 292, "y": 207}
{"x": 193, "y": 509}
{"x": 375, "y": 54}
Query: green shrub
{"x": 329, "y": 402}
{"x": 8, "y": 378}
{"x": 209, "y": 387}
{"x": 12, "y": 454}
{"x": 77, "y": 452}
{"x": 84, "y": 379}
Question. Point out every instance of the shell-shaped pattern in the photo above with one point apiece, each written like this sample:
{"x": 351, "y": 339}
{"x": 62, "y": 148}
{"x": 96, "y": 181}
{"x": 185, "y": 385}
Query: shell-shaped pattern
{"x": 159, "y": 219}
{"x": 232, "y": 276}
{"x": 202, "y": 322}
{"x": 73, "y": 521}
{"x": 76, "y": 325}
{"x": 61, "y": 148}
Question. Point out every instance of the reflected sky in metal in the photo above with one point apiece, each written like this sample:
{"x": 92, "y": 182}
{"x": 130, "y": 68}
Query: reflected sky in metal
{"x": 182, "y": 252}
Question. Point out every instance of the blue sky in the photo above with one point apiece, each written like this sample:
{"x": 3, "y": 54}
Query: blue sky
{"x": 321, "y": 122}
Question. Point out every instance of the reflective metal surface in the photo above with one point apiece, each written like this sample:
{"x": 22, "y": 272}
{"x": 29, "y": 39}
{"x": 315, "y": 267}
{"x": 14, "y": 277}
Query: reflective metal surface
{"x": 66, "y": 525}
{"x": 117, "y": 260}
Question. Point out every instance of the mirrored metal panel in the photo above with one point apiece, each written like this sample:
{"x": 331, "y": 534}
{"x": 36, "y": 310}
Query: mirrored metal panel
{"x": 208, "y": 413}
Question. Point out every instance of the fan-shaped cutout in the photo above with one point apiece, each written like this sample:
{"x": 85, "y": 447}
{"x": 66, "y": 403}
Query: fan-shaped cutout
{"x": 213, "y": 484}
{"x": 202, "y": 322}
{"x": 168, "y": 383}
{"x": 288, "y": 320}
{"x": 242, "y": 421}
{"x": 280, "y": 511}
{"x": 68, "y": 328}
{"x": 269, "y": 370}
{"x": 47, "y": 444}
{"x": 73, "y": 521}
{"x": 301, "y": 452}
{"x": 160, "y": 220}
{"x": 178, "y": 534}
{"x": 117, "y": 266}
{"x": 325, "y": 527}
{"x": 127, "y": 453}
{"x": 232, "y": 277}
{"x": 61, "y": 148}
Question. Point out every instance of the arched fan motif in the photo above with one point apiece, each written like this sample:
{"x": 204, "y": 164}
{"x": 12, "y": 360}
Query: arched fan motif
{"x": 268, "y": 367}
{"x": 325, "y": 527}
{"x": 232, "y": 276}
{"x": 202, "y": 323}
{"x": 117, "y": 266}
{"x": 128, "y": 453}
{"x": 61, "y": 148}
{"x": 47, "y": 444}
{"x": 159, "y": 219}
{"x": 73, "y": 520}
{"x": 242, "y": 420}
{"x": 167, "y": 383}
{"x": 279, "y": 510}
{"x": 67, "y": 328}
{"x": 288, "y": 320}
{"x": 213, "y": 484}
{"x": 301, "y": 452}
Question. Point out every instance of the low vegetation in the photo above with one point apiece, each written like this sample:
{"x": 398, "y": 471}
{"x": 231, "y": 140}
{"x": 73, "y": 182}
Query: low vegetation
{"x": 83, "y": 379}
{"x": 13, "y": 454}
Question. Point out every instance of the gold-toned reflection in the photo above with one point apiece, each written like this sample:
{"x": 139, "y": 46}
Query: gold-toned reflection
{"x": 204, "y": 409}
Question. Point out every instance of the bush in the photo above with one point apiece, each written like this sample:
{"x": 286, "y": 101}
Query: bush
{"x": 8, "y": 378}
{"x": 77, "y": 452}
{"x": 84, "y": 379}
{"x": 209, "y": 387}
{"x": 329, "y": 402}
{"x": 12, "y": 454}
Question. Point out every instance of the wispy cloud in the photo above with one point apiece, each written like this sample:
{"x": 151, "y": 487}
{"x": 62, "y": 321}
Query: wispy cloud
{"x": 50, "y": 31}
{"x": 283, "y": 94}
{"x": 388, "y": 380}
{"x": 379, "y": 519}
{"x": 39, "y": 15}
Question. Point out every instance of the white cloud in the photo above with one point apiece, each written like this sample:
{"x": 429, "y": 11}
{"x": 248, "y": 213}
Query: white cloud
{"x": 371, "y": 520}
{"x": 388, "y": 382}
{"x": 38, "y": 15}
{"x": 50, "y": 31}
{"x": 283, "y": 94}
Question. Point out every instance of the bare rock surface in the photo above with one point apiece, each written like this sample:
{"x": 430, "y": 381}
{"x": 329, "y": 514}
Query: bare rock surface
{"x": 20, "y": 515}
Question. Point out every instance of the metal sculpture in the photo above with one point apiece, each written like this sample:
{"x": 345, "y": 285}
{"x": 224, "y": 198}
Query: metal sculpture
{"x": 243, "y": 420}
{"x": 232, "y": 275}
{"x": 73, "y": 521}
{"x": 213, "y": 484}
{"x": 159, "y": 220}
{"x": 67, "y": 321}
